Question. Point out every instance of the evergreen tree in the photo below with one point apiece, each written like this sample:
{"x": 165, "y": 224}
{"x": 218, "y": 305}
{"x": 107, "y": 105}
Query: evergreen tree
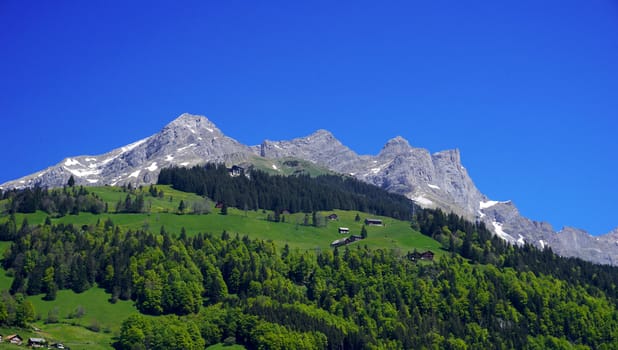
{"x": 71, "y": 181}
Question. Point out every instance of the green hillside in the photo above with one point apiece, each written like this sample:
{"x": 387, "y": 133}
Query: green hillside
{"x": 162, "y": 211}
{"x": 163, "y": 269}
{"x": 395, "y": 234}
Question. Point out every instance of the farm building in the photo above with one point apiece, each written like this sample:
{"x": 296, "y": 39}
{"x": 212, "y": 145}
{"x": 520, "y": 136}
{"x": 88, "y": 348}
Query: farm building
{"x": 373, "y": 222}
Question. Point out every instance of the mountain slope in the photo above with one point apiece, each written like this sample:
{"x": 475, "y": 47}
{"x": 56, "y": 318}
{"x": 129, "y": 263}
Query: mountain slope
{"x": 436, "y": 180}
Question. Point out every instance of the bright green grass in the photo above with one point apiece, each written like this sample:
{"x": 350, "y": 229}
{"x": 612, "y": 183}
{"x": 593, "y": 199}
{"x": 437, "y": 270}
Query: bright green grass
{"x": 98, "y": 310}
{"x": 393, "y": 235}
{"x": 168, "y": 203}
{"x": 75, "y": 337}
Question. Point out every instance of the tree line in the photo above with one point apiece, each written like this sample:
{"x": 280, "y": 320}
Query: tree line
{"x": 475, "y": 242}
{"x": 300, "y": 193}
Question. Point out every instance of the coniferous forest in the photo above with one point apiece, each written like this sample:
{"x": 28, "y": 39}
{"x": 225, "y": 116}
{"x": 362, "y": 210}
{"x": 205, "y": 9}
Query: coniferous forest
{"x": 301, "y": 193}
{"x": 214, "y": 287}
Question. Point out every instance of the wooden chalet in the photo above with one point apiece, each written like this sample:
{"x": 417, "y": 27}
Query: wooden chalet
{"x": 373, "y": 222}
{"x": 37, "y": 343}
{"x": 14, "y": 339}
{"x": 427, "y": 255}
{"x": 333, "y": 217}
{"x": 344, "y": 230}
{"x": 235, "y": 170}
{"x": 344, "y": 241}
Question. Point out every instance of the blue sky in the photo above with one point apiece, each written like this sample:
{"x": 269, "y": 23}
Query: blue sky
{"x": 527, "y": 90}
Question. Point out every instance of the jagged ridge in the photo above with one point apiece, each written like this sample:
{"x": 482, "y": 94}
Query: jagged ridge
{"x": 436, "y": 180}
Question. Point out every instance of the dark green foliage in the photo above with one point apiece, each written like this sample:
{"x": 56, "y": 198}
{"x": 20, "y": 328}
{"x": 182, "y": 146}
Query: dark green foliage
{"x": 71, "y": 181}
{"x": 15, "y": 311}
{"x": 477, "y": 243}
{"x": 349, "y": 298}
{"x": 292, "y": 193}
{"x": 57, "y": 202}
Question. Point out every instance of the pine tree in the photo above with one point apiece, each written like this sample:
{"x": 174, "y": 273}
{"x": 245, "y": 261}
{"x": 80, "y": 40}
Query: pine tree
{"x": 71, "y": 181}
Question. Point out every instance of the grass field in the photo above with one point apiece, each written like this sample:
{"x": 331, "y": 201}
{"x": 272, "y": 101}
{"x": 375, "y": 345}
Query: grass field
{"x": 394, "y": 234}
{"x": 77, "y": 332}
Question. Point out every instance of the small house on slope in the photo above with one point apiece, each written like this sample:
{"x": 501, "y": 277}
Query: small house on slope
{"x": 37, "y": 343}
{"x": 14, "y": 339}
{"x": 373, "y": 222}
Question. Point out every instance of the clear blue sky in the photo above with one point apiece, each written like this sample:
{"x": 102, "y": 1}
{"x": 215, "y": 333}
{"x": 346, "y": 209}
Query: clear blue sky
{"x": 527, "y": 90}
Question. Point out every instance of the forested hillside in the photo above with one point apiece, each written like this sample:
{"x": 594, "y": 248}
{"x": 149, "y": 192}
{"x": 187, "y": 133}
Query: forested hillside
{"x": 210, "y": 287}
{"x": 349, "y": 298}
{"x": 300, "y": 193}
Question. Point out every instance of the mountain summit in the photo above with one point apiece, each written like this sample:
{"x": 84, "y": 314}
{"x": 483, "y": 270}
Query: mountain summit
{"x": 436, "y": 180}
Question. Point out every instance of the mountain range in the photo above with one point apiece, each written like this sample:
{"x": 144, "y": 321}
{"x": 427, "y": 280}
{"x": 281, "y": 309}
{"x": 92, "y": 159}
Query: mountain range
{"x": 437, "y": 180}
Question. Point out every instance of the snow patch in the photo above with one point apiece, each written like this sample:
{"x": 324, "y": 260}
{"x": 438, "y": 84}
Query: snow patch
{"x": 185, "y": 147}
{"x": 275, "y": 167}
{"x": 543, "y": 243}
{"x": 70, "y": 162}
{"x": 199, "y": 138}
{"x": 434, "y": 186}
{"x": 184, "y": 163}
{"x": 376, "y": 170}
{"x": 481, "y": 214}
{"x": 90, "y": 159}
{"x": 422, "y": 200}
{"x": 521, "y": 240}
{"x": 169, "y": 158}
{"x": 210, "y": 129}
{"x": 485, "y": 205}
{"x": 500, "y": 232}
{"x": 92, "y": 181}
{"x": 192, "y": 131}
{"x": 83, "y": 173}
{"x": 135, "y": 174}
{"x": 133, "y": 145}
{"x": 152, "y": 166}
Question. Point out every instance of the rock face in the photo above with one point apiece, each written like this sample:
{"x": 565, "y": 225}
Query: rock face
{"x": 432, "y": 180}
{"x": 187, "y": 141}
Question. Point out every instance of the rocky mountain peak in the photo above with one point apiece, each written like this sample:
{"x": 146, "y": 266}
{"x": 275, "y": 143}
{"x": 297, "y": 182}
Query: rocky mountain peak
{"x": 196, "y": 124}
{"x": 452, "y": 156}
{"x": 396, "y": 146}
